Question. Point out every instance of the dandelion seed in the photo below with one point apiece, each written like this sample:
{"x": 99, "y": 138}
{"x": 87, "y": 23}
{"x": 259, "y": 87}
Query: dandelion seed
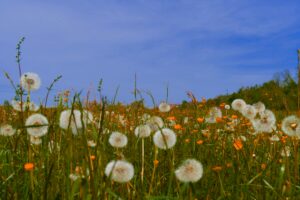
{"x": 155, "y": 123}
{"x": 7, "y": 130}
{"x": 41, "y": 123}
{"x": 259, "y": 106}
{"x": 87, "y": 117}
{"x": 266, "y": 123}
{"x": 164, "y": 107}
{"x": 142, "y": 131}
{"x": 30, "y": 81}
{"x": 119, "y": 171}
{"x": 286, "y": 152}
{"x": 291, "y": 126}
{"x": 274, "y": 138}
{"x": 164, "y": 139}
{"x": 74, "y": 177}
{"x": 118, "y": 140}
{"x": 91, "y": 143}
{"x": 238, "y": 105}
{"x": 185, "y": 120}
{"x": 249, "y": 112}
{"x": 214, "y": 114}
{"x": 190, "y": 171}
{"x": 227, "y": 107}
{"x": 73, "y": 120}
{"x": 31, "y": 106}
{"x": 35, "y": 140}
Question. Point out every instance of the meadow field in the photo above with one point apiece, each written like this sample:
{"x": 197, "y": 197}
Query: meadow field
{"x": 100, "y": 149}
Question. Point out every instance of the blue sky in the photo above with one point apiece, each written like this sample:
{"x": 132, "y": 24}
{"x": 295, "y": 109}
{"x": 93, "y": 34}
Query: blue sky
{"x": 207, "y": 47}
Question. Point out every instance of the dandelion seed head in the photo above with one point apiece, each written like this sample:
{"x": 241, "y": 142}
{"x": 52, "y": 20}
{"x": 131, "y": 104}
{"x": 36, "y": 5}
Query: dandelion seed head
{"x": 73, "y": 120}
{"x": 41, "y": 123}
{"x": 35, "y": 140}
{"x": 30, "y": 81}
{"x": 249, "y": 112}
{"x": 118, "y": 140}
{"x": 291, "y": 126}
{"x": 164, "y": 139}
{"x": 259, "y": 106}
{"x": 142, "y": 131}
{"x": 190, "y": 171}
{"x": 155, "y": 123}
{"x": 119, "y": 171}
{"x": 164, "y": 107}
{"x": 7, "y": 130}
{"x": 238, "y": 104}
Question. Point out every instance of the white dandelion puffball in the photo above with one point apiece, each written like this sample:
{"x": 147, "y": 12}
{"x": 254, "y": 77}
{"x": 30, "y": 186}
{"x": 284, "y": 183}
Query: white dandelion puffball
{"x": 30, "y": 81}
{"x": 259, "y": 106}
{"x": 213, "y": 114}
{"x": 155, "y": 123}
{"x": 73, "y": 120}
{"x": 35, "y": 140}
{"x": 32, "y": 106}
{"x": 274, "y": 138}
{"x": 249, "y": 112}
{"x": 238, "y": 105}
{"x": 7, "y": 130}
{"x": 91, "y": 143}
{"x": 190, "y": 171}
{"x": 164, "y": 107}
{"x": 164, "y": 139}
{"x": 266, "y": 123}
{"x": 118, "y": 140}
{"x": 16, "y": 105}
{"x": 227, "y": 107}
{"x": 291, "y": 126}
{"x": 26, "y": 106}
{"x": 87, "y": 117}
{"x": 119, "y": 171}
{"x": 41, "y": 123}
{"x": 142, "y": 131}
{"x": 286, "y": 152}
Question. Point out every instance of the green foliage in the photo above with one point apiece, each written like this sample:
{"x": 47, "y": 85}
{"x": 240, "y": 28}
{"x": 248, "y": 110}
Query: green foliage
{"x": 279, "y": 93}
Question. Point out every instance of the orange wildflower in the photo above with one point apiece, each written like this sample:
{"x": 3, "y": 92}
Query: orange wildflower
{"x": 283, "y": 139}
{"x": 200, "y": 142}
{"x": 263, "y": 166}
{"x": 92, "y": 157}
{"x": 222, "y": 105}
{"x": 177, "y": 127}
{"x": 238, "y": 145}
{"x": 200, "y": 119}
{"x": 234, "y": 116}
{"x": 155, "y": 162}
{"x": 217, "y": 168}
{"x": 171, "y": 118}
{"x": 219, "y": 119}
{"x": 194, "y": 131}
{"x": 187, "y": 140}
{"x": 228, "y": 165}
{"x": 28, "y": 166}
